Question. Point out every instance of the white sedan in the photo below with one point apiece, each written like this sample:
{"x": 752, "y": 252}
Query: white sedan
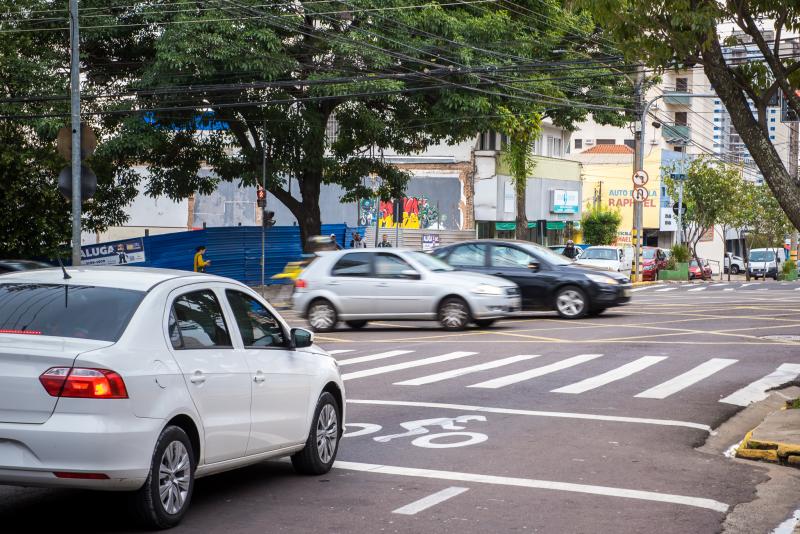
{"x": 605, "y": 258}
{"x": 141, "y": 380}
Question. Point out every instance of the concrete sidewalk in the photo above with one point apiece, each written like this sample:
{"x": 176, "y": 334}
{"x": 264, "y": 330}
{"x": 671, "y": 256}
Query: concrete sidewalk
{"x": 776, "y": 439}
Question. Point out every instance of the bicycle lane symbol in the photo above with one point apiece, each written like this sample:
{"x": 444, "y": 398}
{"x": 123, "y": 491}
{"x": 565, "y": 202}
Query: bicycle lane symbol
{"x": 424, "y": 438}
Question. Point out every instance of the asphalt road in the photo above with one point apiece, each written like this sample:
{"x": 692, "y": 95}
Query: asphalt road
{"x": 535, "y": 425}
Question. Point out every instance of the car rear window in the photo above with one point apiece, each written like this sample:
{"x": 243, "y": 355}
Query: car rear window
{"x": 85, "y": 312}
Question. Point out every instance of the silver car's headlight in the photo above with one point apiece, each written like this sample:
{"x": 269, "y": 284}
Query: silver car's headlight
{"x": 486, "y": 289}
{"x": 600, "y": 279}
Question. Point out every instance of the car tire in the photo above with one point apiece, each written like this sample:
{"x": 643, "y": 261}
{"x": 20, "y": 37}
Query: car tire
{"x": 484, "y": 323}
{"x": 734, "y": 269}
{"x": 571, "y": 302}
{"x": 454, "y": 314}
{"x": 319, "y": 453}
{"x": 174, "y": 458}
{"x": 356, "y": 324}
{"x": 322, "y": 316}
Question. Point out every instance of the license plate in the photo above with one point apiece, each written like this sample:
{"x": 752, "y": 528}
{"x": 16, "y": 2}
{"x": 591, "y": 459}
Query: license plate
{"x": 626, "y": 292}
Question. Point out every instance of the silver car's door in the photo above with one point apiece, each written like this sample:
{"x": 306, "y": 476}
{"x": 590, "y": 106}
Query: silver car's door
{"x": 400, "y": 289}
{"x": 216, "y": 374}
{"x": 281, "y": 376}
{"x": 351, "y": 280}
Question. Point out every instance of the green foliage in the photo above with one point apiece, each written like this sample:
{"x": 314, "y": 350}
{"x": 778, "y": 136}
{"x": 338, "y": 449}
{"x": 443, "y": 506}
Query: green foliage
{"x": 789, "y": 266}
{"x": 760, "y": 217}
{"x": 680, "y": 253}
{"x": 600, "y": 225}
{"x": 522, "y": 132}
{"x": 671, "y": 264}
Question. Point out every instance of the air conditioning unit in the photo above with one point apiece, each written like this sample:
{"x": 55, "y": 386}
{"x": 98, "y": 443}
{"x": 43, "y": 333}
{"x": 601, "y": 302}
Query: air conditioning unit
{"x": 588, "y": 142}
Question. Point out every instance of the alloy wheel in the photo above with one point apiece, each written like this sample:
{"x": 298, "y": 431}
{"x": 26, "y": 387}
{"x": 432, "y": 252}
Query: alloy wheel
{"x": 454, "y": 315}
{"x": 322, "y": 316}
{"x": 327, "y": 433}
{"x": 570, "y": 303}
{"x": 174, "y": 477}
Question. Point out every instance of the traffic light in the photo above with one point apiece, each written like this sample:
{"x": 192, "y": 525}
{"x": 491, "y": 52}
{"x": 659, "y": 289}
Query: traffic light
{"x": 261, "y": 197}
{"x": 268, "y": 218}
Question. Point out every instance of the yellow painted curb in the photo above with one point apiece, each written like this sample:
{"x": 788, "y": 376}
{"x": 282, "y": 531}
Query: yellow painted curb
{"x": 757, "y": 454}
{"x": 771, "y": 451}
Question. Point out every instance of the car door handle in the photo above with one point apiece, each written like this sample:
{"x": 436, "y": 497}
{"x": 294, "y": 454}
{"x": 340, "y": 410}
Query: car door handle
{"x": 333, "y": 283}
{"x": 197, "y": 378}
{"x": 259, "y": 377}
{"x": 383, "y": 284}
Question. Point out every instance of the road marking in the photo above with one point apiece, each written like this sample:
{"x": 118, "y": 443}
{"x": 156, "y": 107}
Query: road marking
{"x": 749, "y": 284}
{"x": 341, "y": 351}
{"x": 533, "y": 373}
{"x": 720, "y": 285}
{"x": 667, "y": 289}
{"x": 465, "y": 370}
{"x": 534, "y": 413}
{"x": 703, "y": 288}
{"x": 690, "y": 377}
{"x": 757, "y": 390}
{"x": 729, "y": 289}
{"x": 641, "y": 288}
{"x": 624, "y": 493}
{"x": 406, "y": 365}
{"x": 429, "y": 501}
{"x": 611, "y": 376}
{"x": 373, "y": 357}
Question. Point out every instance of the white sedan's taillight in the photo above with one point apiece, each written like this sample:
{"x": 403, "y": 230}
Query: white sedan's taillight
{"x": 81, "y": 383}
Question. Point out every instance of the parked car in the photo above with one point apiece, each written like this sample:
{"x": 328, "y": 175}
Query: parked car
{"x": 766, "y": 262}
{"x": 380, "y": 284}
{"x": 13, "y": 266}
{"x": 606, "y": 259}
{"x": 548, "y": 281}
{"x": 653, "y": 260}
{"x": 696, "y": 272}
{"x": 559, "y": 249}
{"x": 141, "y": 380}
{"x": 734, "y": 264}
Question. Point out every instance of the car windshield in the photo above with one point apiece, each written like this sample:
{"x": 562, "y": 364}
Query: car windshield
{"x": 693, "y": 263}
{"x": 762, "y": 255}
{"x": 430, "y": 262}
{"x": 648, "y": 253}
{"x": 85, "y": 312}
{"x": 546, "y": 254}
{"x": 599, "y": 254}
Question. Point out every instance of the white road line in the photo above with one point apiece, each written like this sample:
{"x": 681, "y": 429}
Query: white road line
{"x": 624, "y": 493}
{"x": 641, "y": 288}
{"x": 334, "y": 352}
{"x": 611, "y": 376}
{"x": 465, "y": 370}
{"x": 429, "y": 501}
{"x": 690, "y": 377}
{"x": 533, "y": 373}
{"x": 667, "y": 289}
{"x": 534, "y": 413}
{"x": 757, "y": 390}
{"x": 797, "y": 289}
{"x": 702, "y": 288}
{"x": 729, "y": 289}
{"x": 406, "y": 365}
{"x": 373, "y": 357}
{"x": 749, "y": 284}
{"x": 720, "y": 285}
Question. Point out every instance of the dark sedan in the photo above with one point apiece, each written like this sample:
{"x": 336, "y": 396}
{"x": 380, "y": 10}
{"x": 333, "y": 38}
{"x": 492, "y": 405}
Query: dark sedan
{"x": 547, "y": 281}
{"x": 13, "y": 266}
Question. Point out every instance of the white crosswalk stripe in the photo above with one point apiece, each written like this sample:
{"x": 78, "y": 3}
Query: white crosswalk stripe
{"x": 690, "y": 377}
{"x": 465, "y": 370}
{"x": 534, "y": 373}
{"x": 406, "y": 365}
{"x": 611, "y": 376}
{"x": 635, "y": 289}
{"x": 373, "y": 357}
{"x": 703, "y": 288}
{"x": 757, "y": 390}
{"x": 667, "y": 289}
{"x": 335, "y": 352}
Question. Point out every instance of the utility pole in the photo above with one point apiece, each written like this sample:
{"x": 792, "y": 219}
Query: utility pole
{"x": 680, "y": 194}
{"x": 793, "y": 131}
{"x": 638, "y": 165}
{"x": 264, "y": 208}
{"x": 75, "y": 98}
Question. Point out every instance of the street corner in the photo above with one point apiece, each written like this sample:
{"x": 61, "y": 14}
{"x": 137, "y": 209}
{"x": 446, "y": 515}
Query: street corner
{"x": 776, "y": 439}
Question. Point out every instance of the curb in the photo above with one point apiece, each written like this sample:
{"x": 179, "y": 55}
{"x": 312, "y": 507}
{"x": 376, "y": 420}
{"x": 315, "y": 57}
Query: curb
{"x": 768, "y": 450}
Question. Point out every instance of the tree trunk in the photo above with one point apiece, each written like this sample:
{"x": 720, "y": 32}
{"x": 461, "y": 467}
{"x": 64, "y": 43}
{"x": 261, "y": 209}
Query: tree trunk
{"x": 521, "y": 230}
{"x": 309, "y": 217}
{"x": 756, "y": 138}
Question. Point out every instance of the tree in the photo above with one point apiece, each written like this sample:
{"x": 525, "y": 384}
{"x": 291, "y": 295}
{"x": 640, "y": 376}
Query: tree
{"x": 709, "y": 194}
{"x": 522, "y": 132}
{"x": 35, "y": 221}
{"x": 320, "y": 89}
{"x": 684, "y": 33}
{"x": 600, "y": 225}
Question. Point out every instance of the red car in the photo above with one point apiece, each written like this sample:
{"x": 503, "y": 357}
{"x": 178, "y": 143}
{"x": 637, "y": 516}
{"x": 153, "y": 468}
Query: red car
{"x": 695, "y": 272}
{"x": 653, "y": 260}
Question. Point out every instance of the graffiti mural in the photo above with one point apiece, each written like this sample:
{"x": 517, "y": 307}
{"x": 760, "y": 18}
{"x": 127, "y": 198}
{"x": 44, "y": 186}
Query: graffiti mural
{"x": 418, "y": 212}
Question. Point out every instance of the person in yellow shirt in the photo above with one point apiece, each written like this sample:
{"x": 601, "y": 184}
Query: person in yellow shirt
{"x": 200, "y": 263}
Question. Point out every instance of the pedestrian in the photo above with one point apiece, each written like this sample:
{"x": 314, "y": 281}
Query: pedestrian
{"x": 570, "y": 251}
{"x": 200, "y": 263}
{"x": 384, "y": 242}
{"x": 334, "y": 242}
{"x": 357, "y": 242}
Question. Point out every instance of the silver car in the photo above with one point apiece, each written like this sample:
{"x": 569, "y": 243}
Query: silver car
{"x": 358, "y": 286}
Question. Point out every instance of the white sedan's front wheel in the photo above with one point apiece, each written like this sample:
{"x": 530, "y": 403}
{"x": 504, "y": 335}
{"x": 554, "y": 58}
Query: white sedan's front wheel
{"x": 163, "y": 500}
{"x": 322, "y": 445}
